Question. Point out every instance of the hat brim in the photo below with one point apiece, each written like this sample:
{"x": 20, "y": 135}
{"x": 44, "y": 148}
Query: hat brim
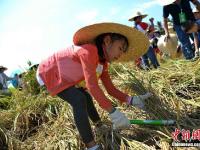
{"x": 166, "y": 2}
{"x": 138, "y": 42}
{"x": 133, "y": 18}
{"x": 3, "y": 68}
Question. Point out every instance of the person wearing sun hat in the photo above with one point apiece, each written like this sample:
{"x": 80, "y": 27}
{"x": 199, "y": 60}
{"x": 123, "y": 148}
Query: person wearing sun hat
{"x": 3, "y": 81}
{"x": 150, "y": 55}
{"x": 137, "y": 19}
{"x": 181, "y": 12}
{"x": 141, "y": 26}
{"x": 72, "y": 74}
{"x": 153, "y": 35}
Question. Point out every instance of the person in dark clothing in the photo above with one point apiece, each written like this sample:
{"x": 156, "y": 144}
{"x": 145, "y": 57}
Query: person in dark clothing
{"x": 181, "y": 12}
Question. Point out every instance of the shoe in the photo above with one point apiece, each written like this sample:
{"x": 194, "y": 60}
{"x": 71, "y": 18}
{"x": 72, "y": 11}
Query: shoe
{"x": 97, "y": 147}
{"x": 195, "y": 58}
{"x": 100, "y": 147}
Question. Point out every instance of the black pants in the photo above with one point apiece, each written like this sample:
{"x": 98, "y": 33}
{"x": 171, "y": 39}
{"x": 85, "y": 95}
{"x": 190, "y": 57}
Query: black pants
{"x": 83, "y": 107}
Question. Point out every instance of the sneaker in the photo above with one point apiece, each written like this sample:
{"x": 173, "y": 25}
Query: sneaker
{"x": 195, "y": 58}
{"x": 97, "y": 147}
{"x": 100, "y": 147}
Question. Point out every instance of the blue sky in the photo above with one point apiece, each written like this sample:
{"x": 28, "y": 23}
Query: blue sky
{"x": 33, "y": 29}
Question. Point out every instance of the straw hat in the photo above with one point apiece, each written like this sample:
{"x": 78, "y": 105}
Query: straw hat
{"x": 137, "y": 14}
{"x": 3, "y": 68}
{"x": 138, "y": 42}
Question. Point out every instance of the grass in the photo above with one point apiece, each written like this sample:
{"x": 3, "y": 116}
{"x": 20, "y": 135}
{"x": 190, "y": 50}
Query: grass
{"x": 32, "y": 120}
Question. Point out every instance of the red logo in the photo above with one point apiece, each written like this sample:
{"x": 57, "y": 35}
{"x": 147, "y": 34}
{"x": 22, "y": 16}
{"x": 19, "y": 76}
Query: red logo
{"x": 185, "y": 135}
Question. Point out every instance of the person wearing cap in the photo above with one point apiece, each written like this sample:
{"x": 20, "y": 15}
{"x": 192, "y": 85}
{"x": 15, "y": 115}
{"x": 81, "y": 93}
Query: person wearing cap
{"x": 181, "y": 12}
{"x": 72, "y": 74}
{"x": 3, "y": 81}
{"x": 141, "y": 26}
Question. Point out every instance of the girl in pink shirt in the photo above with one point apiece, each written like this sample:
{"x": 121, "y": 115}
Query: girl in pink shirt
{"x": 72, "y": 74}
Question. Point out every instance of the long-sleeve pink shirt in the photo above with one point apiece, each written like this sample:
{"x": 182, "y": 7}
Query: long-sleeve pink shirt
{"x": 75, "y": 64}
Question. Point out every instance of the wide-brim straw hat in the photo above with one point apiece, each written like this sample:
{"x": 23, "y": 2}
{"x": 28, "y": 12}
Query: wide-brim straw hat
{"x": 138, "y": 42}
{"x": 166, "y": 2}
{"x": 3, "y": 68}
{"x": 137, "y": 14}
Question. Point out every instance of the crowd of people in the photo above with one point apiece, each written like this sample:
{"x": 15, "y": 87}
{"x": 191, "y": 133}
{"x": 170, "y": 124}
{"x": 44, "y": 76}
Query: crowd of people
{"x": 72, "y": 74}
{"x": 186, "y": 24}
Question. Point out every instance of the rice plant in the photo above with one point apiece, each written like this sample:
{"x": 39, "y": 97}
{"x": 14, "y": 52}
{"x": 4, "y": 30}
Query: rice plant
{"x": 32, "y": 120}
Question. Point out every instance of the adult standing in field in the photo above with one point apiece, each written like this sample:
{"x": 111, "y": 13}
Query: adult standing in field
{"x": 72, "y": 74}
{"x": 181, "y": 12}
{"x": 142, "y": 26}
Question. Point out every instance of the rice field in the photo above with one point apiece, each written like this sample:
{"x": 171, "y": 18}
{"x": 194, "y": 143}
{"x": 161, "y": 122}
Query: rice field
{"x": 32, "y": 120}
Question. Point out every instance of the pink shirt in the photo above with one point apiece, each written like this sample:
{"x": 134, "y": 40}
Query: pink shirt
{"x": 77, "y": 63}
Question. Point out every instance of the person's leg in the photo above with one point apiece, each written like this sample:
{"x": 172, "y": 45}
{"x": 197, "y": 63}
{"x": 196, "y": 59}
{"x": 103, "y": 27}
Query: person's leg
{"x": 78, "y": 102}
{"x": 152, "y": 56}
{"x": 185, "y": 42}
{"x": 91, "y": 109}
{"x": 145, "y": 60}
